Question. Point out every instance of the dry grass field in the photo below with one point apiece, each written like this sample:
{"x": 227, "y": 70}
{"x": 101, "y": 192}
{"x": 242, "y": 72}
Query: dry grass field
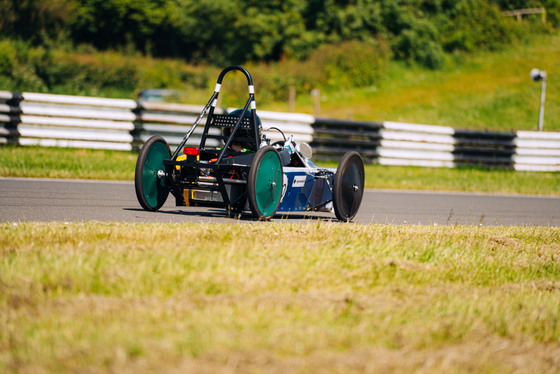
{"x": 314, "y": 297}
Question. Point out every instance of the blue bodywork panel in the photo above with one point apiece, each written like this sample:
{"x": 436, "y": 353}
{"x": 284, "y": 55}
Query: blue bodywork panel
{"x": 304, "y": 191}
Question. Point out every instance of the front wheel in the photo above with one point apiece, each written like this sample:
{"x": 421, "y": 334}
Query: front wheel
{"x": 150, "y": 179}
{"x": 264, "y": 185}
{"x": 348, "y": 188}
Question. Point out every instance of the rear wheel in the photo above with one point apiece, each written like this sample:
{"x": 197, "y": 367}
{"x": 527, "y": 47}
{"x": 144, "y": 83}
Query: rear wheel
{"x": 348, "y": 188}
{"x": 150, "y": 179}
{"x": 264, "y": 185}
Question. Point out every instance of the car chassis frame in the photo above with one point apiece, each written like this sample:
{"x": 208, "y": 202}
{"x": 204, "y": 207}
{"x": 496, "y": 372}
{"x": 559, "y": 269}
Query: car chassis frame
{"x": 245, "y": 171}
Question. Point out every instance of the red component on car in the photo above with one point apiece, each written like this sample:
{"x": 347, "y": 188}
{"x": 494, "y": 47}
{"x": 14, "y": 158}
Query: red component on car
{"x": 191, "y": 151}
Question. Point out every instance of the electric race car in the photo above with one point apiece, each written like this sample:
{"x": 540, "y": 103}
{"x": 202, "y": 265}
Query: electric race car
{"x": 245, "y": 171}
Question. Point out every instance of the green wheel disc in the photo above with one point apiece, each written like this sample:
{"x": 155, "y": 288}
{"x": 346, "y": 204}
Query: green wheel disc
{"x": 152, "y": 189}
{"x": 265, "y": 183}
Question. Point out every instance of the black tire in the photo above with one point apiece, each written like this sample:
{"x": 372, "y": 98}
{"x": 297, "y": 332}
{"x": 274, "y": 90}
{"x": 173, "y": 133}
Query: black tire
{"x": 264, "y": 185}
{"x": 348, "y": 188}
{"x": 152, "y": 190}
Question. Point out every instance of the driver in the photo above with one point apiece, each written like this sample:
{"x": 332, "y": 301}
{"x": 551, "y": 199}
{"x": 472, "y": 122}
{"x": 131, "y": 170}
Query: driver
{"x": 241, "y": 146}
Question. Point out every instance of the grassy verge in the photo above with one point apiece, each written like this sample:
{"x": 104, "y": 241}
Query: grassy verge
{"x": 487, "y": 90}
{"x": 315, "y": 297}
{"x": 484, "y": 91}
{"x": 92, "y": 164}
{"x": 40, "y": 162}
{"x": 466, "y": 180}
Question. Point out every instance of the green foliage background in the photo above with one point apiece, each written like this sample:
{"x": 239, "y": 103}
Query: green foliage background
{"x": 236, "y": 31}
{"x": 115, "y": 47}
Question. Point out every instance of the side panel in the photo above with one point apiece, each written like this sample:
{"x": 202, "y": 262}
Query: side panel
{"x": 322, "y": 193}
{"x": 298, "y": 192}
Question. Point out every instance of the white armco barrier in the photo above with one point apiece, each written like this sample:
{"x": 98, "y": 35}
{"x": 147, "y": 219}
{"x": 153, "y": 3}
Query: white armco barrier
{"x": 298, "y": 125}
{"x": 120, "y": 124}
{"x": 79, "y": 100}
{"x": 172, "y": 121}
{"x": 69, "y": 121}
{"x": 537, "y": 151}
{"x": 123, "y": 124}
{"x": 407, "y": 144}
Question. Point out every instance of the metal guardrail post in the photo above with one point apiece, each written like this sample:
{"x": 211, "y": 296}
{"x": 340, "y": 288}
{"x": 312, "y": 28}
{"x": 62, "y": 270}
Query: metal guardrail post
{"x": 540, "y": 75}
{"x": 543, "y": 97}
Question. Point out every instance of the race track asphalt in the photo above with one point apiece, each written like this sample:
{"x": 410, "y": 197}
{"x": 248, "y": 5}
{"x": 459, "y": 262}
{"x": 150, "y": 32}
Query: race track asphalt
{"x": 24, "y": 199}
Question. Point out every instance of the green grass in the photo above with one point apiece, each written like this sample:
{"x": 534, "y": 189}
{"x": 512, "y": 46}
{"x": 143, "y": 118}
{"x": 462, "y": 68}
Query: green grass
{"x": 466, "y": 180}
{"x": 483, "y": 91}
{"x": 93, "y": 164}
{"x": 41, "y": 162}
{"x": 253, "y": 298}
